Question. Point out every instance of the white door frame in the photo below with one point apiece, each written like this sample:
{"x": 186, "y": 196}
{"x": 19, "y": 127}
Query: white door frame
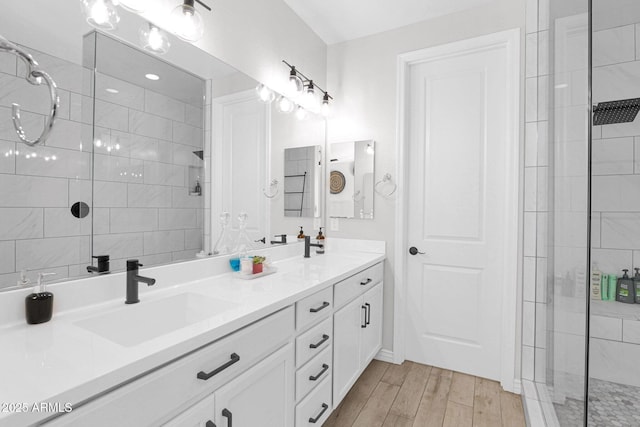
{"x": 509, "y": 40}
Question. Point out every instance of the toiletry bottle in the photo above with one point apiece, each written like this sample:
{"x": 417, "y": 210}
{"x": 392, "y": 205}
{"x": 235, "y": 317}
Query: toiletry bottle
{"x": 625, "y": 289}
{"x": 198, "y": 189}
{"x": 39, "y": 304}
{"x": 321, "y": 241}
{"x": 636, "y": 283}
{"x": 604, "y": 287}
{"x": 613, "y": 282}
{"x": 596, "y": 280}
{"x": 301, "y": 234}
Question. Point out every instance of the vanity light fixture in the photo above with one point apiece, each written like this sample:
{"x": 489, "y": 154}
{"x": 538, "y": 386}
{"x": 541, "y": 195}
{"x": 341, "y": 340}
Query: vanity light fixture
{"x": 154, "y": 39}
{"x": 301, "y": 113}
{"x": 325, "y": 109}
{"x": 301, "y": 84}
{"x": 101, "y": 14}
{"x": 295, "y": 82}
{"x": 187, "y": 22}
{"x": 265, "y": 94}
{"x": 284, "y": 104}
{"x": 153, "y": 77}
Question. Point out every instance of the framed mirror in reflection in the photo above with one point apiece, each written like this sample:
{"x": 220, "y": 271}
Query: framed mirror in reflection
{"x": 154, "y": 146}
{"x": 351, "y": 179}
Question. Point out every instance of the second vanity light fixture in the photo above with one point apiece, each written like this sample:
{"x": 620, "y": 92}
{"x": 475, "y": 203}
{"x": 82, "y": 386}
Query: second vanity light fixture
{"x": 185, "y": 21}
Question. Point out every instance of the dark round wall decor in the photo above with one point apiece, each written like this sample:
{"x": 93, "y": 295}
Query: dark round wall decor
{"x": 337, "y": 182}
{"x": 80, "y": 209}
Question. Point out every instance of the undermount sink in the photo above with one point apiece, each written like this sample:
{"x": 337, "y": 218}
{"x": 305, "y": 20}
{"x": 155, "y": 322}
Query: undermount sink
{"x": 134, "y": 324}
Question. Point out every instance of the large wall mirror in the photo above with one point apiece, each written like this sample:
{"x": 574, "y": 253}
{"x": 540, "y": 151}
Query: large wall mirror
{"x": 351, "y": 179}
{"x": 147, "y": 154}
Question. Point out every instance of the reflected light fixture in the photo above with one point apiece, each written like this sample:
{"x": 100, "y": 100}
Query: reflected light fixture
{"x": 301, "y": 84}
{"x": 310, "y": 94}
{"x": 101, "y": 14}
{"x": 296, "y": 86}
{"x": 325, "y": 109}
{"x": 284, "y": 105}
{"x": 187, "y": 22}
{"x": 301, "y": 113}
{"x": 154, "y": 39}
{"x": 135, "y": 6}
{"x": 265, "y": 94}
{"x": 153, "y": 77}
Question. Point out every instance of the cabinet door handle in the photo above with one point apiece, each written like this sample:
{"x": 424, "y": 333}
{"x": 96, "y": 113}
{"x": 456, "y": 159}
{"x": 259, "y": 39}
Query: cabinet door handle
{"x": 205, "y": 376}
{"x": 325, "y": 337}
{"x": 209, "y": 424}
{"x": 325, "y": 367}
{"x": 315, "y": 420}
{"x": 368, "y": 314}
{"x": 364, "y": 324}
{"x": 229, "y": 416}
{"x": 366, "y": 282}
{"x": 322, "y": 307}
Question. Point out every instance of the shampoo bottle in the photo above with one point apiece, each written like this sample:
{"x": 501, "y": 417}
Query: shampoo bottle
{"x": 39, "y": 304}
{"x": 636, "y": 283}
{"x": 596, "y": 282}
{"x": 604, "y": 288}
{"x": 625, "y": 289}
{"x": 613, "y": 282}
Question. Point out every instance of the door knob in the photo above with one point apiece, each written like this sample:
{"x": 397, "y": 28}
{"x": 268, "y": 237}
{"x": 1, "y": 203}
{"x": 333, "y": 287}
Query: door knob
{"x": 414, "y": 251}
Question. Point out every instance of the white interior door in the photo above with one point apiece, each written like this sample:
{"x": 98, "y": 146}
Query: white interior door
{"x": 460, "y": 130}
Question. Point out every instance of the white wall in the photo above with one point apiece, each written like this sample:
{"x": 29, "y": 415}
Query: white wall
{"x": 362, "y": 78}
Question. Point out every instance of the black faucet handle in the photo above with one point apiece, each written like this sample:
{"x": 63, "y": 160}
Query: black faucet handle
{"x": 133, "y": 264}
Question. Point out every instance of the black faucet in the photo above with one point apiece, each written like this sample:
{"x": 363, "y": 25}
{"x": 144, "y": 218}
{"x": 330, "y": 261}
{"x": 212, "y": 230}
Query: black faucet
{"x": 282, "y": 241}
{"x": 103, "y": 265}
{"x": 133, "y": 279}
{"x": 308, "y": 244}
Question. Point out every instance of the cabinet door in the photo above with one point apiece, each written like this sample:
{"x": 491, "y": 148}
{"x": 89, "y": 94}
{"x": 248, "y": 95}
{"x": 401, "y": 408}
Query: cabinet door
{"x": 262, "y": 396}
{"x": 199, "y": 415}
{"x": 372, "y": 334}
{"x": 347, "y": 325}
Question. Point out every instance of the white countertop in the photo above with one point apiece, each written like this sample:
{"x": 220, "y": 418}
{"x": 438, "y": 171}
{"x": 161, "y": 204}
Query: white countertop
{"x": 60, "y": 362}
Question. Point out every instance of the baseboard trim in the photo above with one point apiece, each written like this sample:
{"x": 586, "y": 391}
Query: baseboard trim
{"x": 385, "y": 356}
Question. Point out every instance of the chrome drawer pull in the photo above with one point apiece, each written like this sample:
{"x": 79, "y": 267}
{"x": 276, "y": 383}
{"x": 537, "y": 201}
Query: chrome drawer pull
{"x": 325, "y": 337}
{"x": 205, "y": 376}
{"x": 315, "y": 420}
{"x": 322, "y": 307}
{"x": 325, "y": 367}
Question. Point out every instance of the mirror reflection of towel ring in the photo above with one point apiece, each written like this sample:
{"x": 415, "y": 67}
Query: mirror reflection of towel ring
{"x": 272, "y": 193}
{"x": 337, "y": 182}
{"x": 357, "y": 197}
{"x": 386, "y": 179}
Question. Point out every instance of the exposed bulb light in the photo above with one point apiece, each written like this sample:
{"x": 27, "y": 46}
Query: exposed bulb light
{"x": 284, "y": 105}
{"x": 301, "y": 113}
{"x": 101, "y": 14}
{"x": 154, "y": 39}
{"x": 187, "y": 22}
{"x": 310, "y": 94}
{"x": 153, "y": 77}
{"x": 265, "y": 94}
{"x": 325, "y": 109}
{"x": 295, "y": 83}
{"x": 369, "y": 150}
{"x": 135, "y": 6}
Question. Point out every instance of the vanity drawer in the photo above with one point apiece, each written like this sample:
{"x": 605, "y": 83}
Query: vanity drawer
{"x": 313, "y": 308}
{"x": 313, "y": 373}
{"x": 314, "y": 341}
{"x": 357, "y": 284}
{"x": 315, "y": 407}
{"x": 158, "y": 395}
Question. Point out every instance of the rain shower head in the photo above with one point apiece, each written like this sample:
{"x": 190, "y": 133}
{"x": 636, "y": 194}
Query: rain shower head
{"x": 614, "y": 112}
{"x": 199, "y": 154}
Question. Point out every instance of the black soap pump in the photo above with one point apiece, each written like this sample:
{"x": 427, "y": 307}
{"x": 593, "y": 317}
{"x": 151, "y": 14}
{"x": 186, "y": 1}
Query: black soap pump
{"x": 636, "y": 284}
{"x": 625, "y": 289}
{"x": 39, "y": 304}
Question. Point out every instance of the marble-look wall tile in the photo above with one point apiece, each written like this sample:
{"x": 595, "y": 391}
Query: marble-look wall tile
{"x": 111, "y": 116}
{"x": 609, "y": 328}
{"x": 614, "y": 361}
{"x": 531, "y": 66}
{"x": 611, "y": 260}
{"x": 541, "y": 280}
{"x": 164, "y": 241}
{"x": 184, "y": 155}
{"x": 530, "y": 189}
{"x": 32, "y": 124}
{"x": 32, "y": 191}
{"x": 119, "y": 246}
{"x": 631, "y": 331}
{"x": 613, "y": 156}
{"x": 187, "y": 135}
{"x": 118, "y": 169}
{"x": 182, "y": 199}
{"x": 129, "y": 220}
{"x": 595, "y": 229}
{"x": 163, "y": 106}
{"x": 7, "y": 257}
{"x": 164, "y": 174}
{"x": 175, "y": 219}
{"x": 8, "y": 64}
{"x": 69, "y": 135}
{"x": 529, "y": 279}
{"x": 542, "y": 204}
{"x": 529, "y": 234}
{"x": 618, "y": 81}
{"x": 59, "y": 222}
{"x": 616, "y": 193}
{"x": 47, "y": 161}
{"x": 531, "y": 145}
{"x": 7, "y": 157}
{"x": 21, "y": 223}
{"x": 541, "y": 326}
{"x": 150, "y": 196}
{"x": 528, "y": 323}
{"x": 53, "y": 252}
{"x": 614, "y": 45}
{"x": 11, "y": 279}
{"x": 183, "y": 255}
{"x": 109, "y": 194}
{"x": 620, "y": 230}
{"x": 149, "y": 125}
{"x": 128, "y": 95}
{"x": 193, "y": 239}
{"x": 194, "y": 116}
{"x": 67, "y": 75}
{"x": 35, "y": 99}
{"x": 541, "y": 234}
{"x": 527, "y": 362}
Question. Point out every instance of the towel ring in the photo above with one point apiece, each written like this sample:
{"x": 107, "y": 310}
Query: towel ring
{"x": 385, "y": 179}
{"x": 272, "y": 194}
{"x": 35, "y": 76}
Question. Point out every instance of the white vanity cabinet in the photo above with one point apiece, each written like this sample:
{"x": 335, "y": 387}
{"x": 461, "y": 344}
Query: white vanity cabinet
{"x": 357, "y": 328}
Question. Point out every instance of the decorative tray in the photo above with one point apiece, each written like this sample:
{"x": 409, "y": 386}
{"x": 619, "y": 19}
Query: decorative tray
{"x": 265, "y": 272}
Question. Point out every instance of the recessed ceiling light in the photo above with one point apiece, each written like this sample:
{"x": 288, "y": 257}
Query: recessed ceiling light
{"x": 152, "y": 76}
{"x": 110, "y": 90}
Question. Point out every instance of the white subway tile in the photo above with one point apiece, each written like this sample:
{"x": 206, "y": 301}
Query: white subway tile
{"x": 32, "y": 191}
{"x": 59, "y": 222}
{"x": 530, "y": 189}
{"x": 8, "y": 64}
{"x": 128, "y": 220}
{"x": 541, "y": 280}
{"x": 100, "y": 221}
{"x": 620, "y": 230}
{"x": 119, "y": 246}
{"x": 614, "y": 45}
{"x": 611, "y": 261}
{"x": 53, "y": 252}
{"x": 163, "y": 106}
{"x": 109, "y": 194}
{"x": 619, "y": 81}
{"x": 111, "y": 116}
{"x": 616, "y": 193}
{"x": 184, "y": 255}
{"x": 530, "y": 154}
{"x": 182, "y": 198}
{"x": 184, "y": 155}
{"x": 31, "y": 123}
{"x": 188, "y": 135}
{"x": 163, "y": 174}
{"x": 149, "y": 125}
{"x": 528, "y": 323}
{"x": 120, "y": 169}
{"x": 54, "y": 162}
{"x": 540, "y": 366}
{"x": 21, "y": 223}
{"x": 529, "y": 233}
{"x": 163, "y": 241}
{"x": 541, "y": 326}
{"x": 614, "y": 361}
{"x": 527, "y": 362}
{"x": 541, "y": 234}
{"x": 156, "y": 259}
{"x": 543, "y": 98}
{"x": 67, "y": 75}
{"x": 531, "y": 65}
{"x": 529, "y": 279}
{"x": 171, "y": 219}
{"x": 614, "y": 13}
{"x": 631, "y": 331}
{"x": 193, "y": 239}
{"x": 10, "y": 279}
{"x": 613, "y": 156}
{"x": 543, "y": 145}
{"x": 609, "y": 328}
{"x": 542, "y": 189}
{"x": 32, "y": 98}
{"x": 194, "y": 116}
{"x": 7, "y": 157}
{"x": 543, "y": 53}
{"x": 69, "y": 135}
{"x": 595, "y": 229}
{"x": 7, "y": 257}
{"x": 150, "y": 196}
{"x": 128, "y": 95}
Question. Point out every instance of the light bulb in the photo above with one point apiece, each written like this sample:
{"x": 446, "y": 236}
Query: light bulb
{"x": 310, "y": 96}
{"x": 325, "y": 109}
{"x": 301, "y": 113}
{"x": 136, "y": 6}
{"x": 295, "y": 86}
{"x": 265, "y": 94}
{"x": 187, "y": 22}
{"x": 284, "y": 105}
{"x": 154, "y": 39}
{"x": 100, "y": 14}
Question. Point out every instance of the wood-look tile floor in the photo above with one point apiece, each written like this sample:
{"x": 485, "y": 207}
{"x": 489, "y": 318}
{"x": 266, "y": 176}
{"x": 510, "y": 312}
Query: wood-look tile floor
{"x": 411, "y": 394}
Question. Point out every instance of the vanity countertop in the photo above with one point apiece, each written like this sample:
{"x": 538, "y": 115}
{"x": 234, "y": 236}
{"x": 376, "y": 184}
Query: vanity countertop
{"x": 61, "y": 362}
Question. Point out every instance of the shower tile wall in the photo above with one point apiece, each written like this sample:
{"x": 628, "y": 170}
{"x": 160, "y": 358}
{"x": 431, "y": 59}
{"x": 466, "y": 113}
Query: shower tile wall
{"x": 143, "y": 152}
{"x": 297, "y": 162}
{"x": 616, "y": 194}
